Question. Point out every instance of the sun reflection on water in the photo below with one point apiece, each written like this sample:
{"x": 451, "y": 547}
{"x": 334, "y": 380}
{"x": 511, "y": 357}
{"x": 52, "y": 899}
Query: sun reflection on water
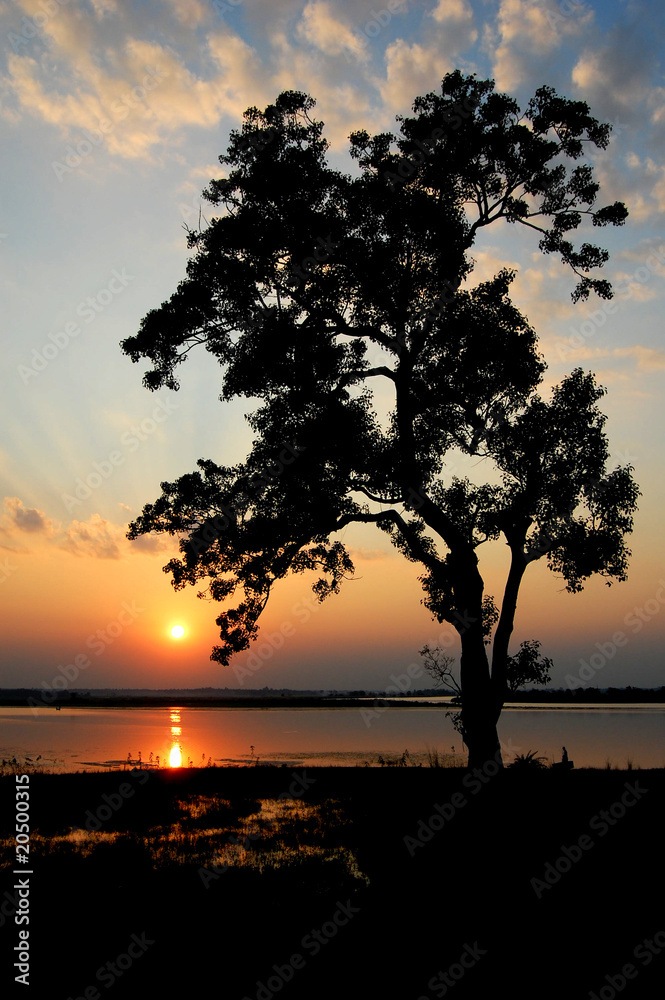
{"x": 175, "y": 757}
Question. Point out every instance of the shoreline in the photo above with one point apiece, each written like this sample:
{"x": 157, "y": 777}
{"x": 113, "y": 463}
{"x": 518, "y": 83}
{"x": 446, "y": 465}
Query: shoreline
{"x": 319, "y": 703}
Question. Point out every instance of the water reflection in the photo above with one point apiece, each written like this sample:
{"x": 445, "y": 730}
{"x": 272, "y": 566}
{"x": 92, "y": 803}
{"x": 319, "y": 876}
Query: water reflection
{"x": 98, "y": 738}
{"x": 175, "y": 756}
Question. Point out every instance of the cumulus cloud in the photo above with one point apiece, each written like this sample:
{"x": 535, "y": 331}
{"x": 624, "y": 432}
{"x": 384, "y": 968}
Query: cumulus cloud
{"x": 344, "y": 102}
{"x": 645, "y": 359}
{"x": 107, "y": 70}
{"x": 369, "y": 555}
{"x": 100, "y": 538}
{"x": 321, "y": 27}
{"x": 453, "y": 12}
{"x": 97, "y": 537}
{"x": 189, "y": 12}
{"x": 416, "y": 68}
{"x": 638, "y": 181}
{"x": 524, "y": 41}
{"x": 411, "y": 69}
{"x": 104, "y": 7}
{"x": 27, "y": 519}
{"x": 541, "y": 291}
{"x": 120, "y": 109}
{"x": 651, "y": 249}
{"x": 616, "y": 74}
{"x": 135, "y": 93}
{"x": 148, "y": 544}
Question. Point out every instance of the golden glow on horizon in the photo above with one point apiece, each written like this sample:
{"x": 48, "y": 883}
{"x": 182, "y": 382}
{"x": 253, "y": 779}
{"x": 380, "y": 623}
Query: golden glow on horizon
{"x": 177, "y": 631}
{"x": 368, "y": 619}
{"x": 175, "y": 757}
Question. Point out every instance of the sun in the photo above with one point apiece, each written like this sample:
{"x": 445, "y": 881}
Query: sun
{"x": 177, "y": 631}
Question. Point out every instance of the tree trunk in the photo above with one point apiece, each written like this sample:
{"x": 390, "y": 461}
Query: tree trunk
{"x": 504, "y": 629}
{"x": 479, "y": 710}
{"x": 484, "y": 746}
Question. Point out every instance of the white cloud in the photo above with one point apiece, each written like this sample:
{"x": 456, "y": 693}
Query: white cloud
{"x": 25, "y": 519}
{"x": 206, "y": 172}
{"x": 610, "y": 81}
{"x": 99, "y": 538}
{"x": 447, "y": 11}
{"x": 321, "y": 27}
{"x": 93, "y": 65}
{"x": 369, "y": 555}
{"x": 640, "y": 185}
{"x": 191, "y": 13}
{"x": 646, "y": 359}
{"x": 411, "y": 69}
{"x": 651, "y": 250}
{"x": 541, "y": 292}
{"x": 616, "y": 73}
{"x": 96, "y": 537}
{"x": 142, "y": 90}
{"x": 525, "y": 34}
{"x": 104, "y": 7}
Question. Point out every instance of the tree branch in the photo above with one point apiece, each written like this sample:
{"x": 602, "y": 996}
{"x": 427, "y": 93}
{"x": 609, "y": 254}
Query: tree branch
{"x": 366, "y": 373}
{"x": 416, "y": 546}
{"x": 363, "y": 489}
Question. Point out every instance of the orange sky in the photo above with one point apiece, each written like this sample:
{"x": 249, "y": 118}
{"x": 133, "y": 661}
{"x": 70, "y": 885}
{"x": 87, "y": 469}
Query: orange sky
{"x": 56, "y": 604}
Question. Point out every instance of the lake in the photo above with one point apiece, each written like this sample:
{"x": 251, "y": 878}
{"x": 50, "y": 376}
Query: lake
{"x": 85, "y": 739}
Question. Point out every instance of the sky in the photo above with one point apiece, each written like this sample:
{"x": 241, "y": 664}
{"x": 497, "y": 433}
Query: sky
{"x": 113, "y": 115}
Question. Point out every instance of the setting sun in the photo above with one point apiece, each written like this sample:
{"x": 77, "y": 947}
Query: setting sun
{"x": 177, "y": 631}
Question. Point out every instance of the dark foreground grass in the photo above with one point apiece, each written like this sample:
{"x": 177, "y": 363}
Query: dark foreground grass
{"x": 263, "y": 882}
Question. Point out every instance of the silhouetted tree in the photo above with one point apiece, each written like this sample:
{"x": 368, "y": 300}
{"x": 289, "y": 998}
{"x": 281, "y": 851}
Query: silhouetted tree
{"x": 311, "y": 285}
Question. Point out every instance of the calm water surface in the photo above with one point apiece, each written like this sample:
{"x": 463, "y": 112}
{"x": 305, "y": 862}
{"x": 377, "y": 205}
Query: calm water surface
{"x": 98, "y": 739}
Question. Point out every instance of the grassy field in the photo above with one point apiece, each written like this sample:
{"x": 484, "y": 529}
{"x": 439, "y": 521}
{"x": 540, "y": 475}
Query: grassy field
{"x": 340, "y": 882}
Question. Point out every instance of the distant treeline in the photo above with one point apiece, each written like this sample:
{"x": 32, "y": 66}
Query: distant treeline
{"x": 228, "y": 697}
{"x": 553, "y": 695}
{"x": 590, "y": 694}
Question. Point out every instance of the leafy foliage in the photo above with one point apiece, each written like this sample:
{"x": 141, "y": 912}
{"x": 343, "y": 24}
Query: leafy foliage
{"x": 525, "y": 667}
{"x": 528, "y": 761}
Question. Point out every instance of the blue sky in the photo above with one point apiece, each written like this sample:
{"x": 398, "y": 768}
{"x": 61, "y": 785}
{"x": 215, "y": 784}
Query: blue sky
{"x": 92, "y": 239}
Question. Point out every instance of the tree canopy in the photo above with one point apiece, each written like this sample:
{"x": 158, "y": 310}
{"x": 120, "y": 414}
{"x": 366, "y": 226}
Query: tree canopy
{"x": 312, "y": 284}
